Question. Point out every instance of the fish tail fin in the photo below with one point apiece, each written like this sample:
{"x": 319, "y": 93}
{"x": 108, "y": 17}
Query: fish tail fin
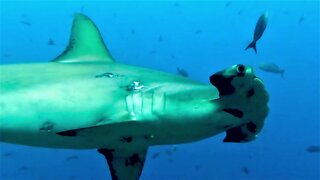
{"x": 253, "y": 46}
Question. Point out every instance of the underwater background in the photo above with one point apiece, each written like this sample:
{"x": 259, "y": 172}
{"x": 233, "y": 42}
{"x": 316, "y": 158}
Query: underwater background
{"x": 201, "y": 37}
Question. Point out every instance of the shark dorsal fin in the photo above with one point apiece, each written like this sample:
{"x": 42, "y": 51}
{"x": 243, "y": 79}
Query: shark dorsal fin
{"x": 85, "y": 43}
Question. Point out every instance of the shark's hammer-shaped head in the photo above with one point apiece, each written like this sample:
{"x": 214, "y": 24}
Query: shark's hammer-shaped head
{"x": 242, "y": 95}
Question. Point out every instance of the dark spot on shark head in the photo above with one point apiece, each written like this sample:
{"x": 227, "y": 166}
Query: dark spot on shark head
{"x": 250, "y": 93}
{"x": 126, "y": 139}
{"x": 251, "y": 127}
{"x": 223, "y": 84}
{"x": 134, "y": 159}
{"x": 71, "y": 133}
{"x": 235, "y": 135}
{"x": 235, "y": 112}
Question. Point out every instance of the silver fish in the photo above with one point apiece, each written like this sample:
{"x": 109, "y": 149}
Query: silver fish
{"x": 258, "y": 31}
{"x": 271, "y": 67}
{"x": 182, "y": 72}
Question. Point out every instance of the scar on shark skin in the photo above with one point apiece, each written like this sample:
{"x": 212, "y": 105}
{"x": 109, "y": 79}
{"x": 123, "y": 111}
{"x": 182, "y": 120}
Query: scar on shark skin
{"x": 108, "y": 75}
{"x": 135, "y": 85}
{"x": 100, "y": 120}
{"x": 47, "y": 127}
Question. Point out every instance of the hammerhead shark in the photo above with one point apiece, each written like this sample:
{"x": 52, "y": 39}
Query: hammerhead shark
{"x": 84, "y": 99}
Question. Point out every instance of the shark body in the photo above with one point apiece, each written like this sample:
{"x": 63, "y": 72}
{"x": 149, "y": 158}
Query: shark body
{"x": 83, "y": 99}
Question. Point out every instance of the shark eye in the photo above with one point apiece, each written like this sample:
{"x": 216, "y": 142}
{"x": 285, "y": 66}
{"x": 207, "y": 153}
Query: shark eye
{"x": 241, "y": 68}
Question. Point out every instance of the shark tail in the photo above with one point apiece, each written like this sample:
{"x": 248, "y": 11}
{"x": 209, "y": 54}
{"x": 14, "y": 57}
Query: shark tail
{"x": 253, "y": 46}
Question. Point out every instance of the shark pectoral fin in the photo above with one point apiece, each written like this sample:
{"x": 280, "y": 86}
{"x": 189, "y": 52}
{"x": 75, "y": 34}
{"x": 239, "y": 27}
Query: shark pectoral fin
{"x": 85, "y": 43}
{"x": 125, "y": 164}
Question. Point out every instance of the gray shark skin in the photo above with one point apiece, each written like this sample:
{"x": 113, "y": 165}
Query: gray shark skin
{"x": 83, "y": 99}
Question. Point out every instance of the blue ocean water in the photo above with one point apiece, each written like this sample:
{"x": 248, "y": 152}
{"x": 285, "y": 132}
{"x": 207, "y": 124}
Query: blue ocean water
{"x": 202, "y": 37}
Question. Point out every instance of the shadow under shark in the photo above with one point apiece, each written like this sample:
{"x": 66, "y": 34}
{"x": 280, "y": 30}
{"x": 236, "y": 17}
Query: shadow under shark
{"x": 83, "y": 99}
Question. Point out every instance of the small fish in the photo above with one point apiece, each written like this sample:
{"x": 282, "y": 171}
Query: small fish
{"x": 72, "y": 157}
{"x": 152, "y": 52}
{"x": 172, "y": 150}
{"x": 23, "y": 168}
{"x": 170, "y": 160}
{"x": 176, "y": 4}
{"x": 245, "y": 170}
{"x": 182, "y": 72}
{"x": 313, "y": 149}
{"x": 160, "y": 38}
{"x": 132, "y": 31}
{"x": 26, "y": 23}
{"x": 228, "y": 4}
{"x": 5, "y": 55}
{"x": 197, "y": 167}
{"x": 271, "y": 67}
{"x": 82, "y": 9}
{"x": 7, "y": 154}
{"x": 24, "y": 16}
{"x": 301, "y": 19}
{"x": 156, "y": 155}
{"x": 51, "y": 42}
{"x": 286, "y": 12}
{"x": 258, "y": 31}
{"x": 198, "y": 31}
